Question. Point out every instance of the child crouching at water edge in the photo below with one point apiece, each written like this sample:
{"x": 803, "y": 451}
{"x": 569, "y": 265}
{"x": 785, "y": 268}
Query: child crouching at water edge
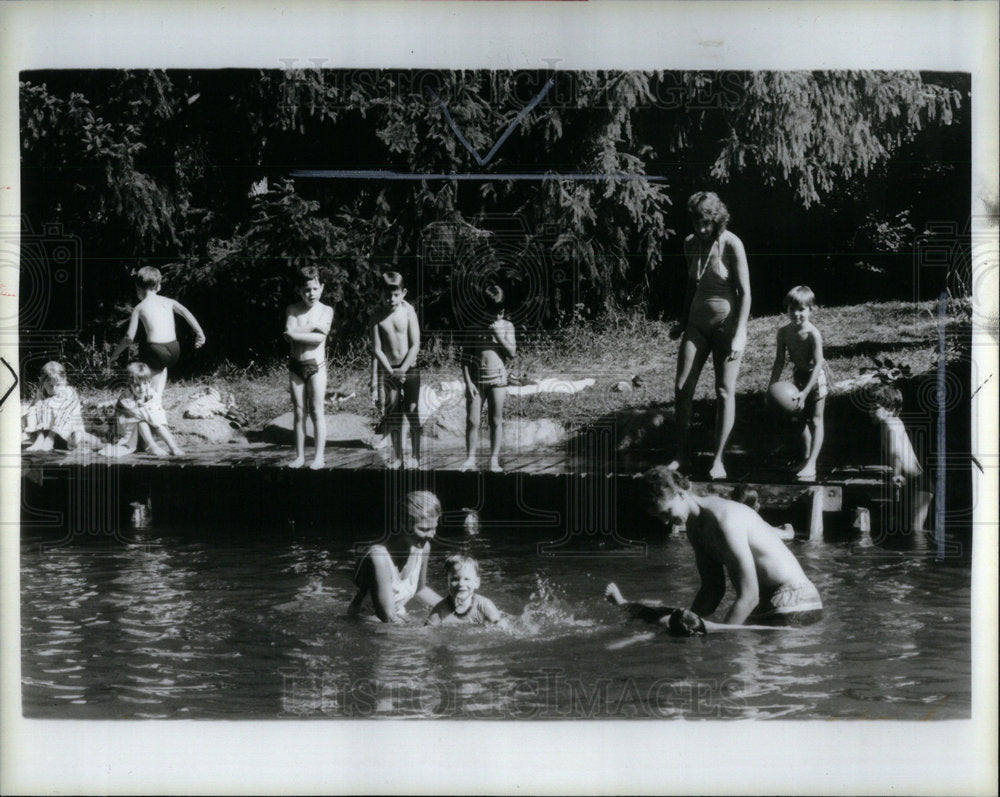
{"x": 54, "y": 417}
{"x": 463, "y": 604}
{"x": 379, "y": 574}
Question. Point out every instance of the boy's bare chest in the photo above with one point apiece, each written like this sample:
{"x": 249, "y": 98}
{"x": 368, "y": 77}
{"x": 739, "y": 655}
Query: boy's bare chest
{"x": 307, "y": 317}
{"x": 395, "y": 323}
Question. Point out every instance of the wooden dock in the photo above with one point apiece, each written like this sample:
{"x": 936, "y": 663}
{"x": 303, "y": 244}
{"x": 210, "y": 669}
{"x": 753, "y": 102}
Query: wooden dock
{"x": 583, "y": 488}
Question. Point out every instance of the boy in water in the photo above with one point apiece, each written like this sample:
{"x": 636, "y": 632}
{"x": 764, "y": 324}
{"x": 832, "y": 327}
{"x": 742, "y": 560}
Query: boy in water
{"x": 463, "y": 604}
{"x": 160, "y": 350}
{"x": 731, "y": 539}
{"x": 804, "y": 345}
{"x": 307, "y": 325}
{"x": 897, "y": 452}
{"x": 484, "y": 370}
{"x": 395, "y": 384}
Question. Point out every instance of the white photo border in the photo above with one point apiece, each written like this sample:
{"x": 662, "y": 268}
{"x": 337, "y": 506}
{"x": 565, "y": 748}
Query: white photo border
{"x": 676, "y": 757}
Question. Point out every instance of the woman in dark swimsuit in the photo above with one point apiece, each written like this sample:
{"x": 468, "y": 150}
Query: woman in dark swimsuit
{"x": 716, "y": 310}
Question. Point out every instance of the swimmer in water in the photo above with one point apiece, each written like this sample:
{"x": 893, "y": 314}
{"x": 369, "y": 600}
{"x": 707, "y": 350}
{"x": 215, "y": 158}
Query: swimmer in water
{"x": 379, "y": 575}
{"x": 731, "y": 539}
{"x": 464, "y": 604}
{"x": 676, "y": 622}
{"x": 713, "y": 321}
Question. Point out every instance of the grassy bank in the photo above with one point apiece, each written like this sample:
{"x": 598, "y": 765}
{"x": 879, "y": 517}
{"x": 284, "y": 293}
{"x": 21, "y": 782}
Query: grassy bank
{"x": 615, "y": 349}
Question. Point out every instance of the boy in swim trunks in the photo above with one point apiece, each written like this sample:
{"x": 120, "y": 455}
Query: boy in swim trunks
{"x": 729, "y": 538}
{"x": 463, "y": 604}
{"x": 395, "y": 384}
{"x": 804, "y": 345}
{"x": 307, "y": 325}
{"x": 484, "y": 369}
{"x": 160, "y": 350}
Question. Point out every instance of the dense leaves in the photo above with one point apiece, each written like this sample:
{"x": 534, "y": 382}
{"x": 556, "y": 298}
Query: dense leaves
{"x": 194, "y": 172}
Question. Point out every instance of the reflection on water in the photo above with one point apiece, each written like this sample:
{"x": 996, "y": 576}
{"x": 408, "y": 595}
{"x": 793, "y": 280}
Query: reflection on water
{"x": 224, "y": 624}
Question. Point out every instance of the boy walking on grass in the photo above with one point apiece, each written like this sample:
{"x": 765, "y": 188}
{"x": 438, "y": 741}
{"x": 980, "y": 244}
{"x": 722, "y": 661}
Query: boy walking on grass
{"x": 307, "y": 325}
{"x": 395, "y": 383}
{"x": 160, "y": 350}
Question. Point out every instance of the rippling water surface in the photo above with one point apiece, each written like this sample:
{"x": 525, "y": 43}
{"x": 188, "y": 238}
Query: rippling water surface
{"x": 221, "y": 623}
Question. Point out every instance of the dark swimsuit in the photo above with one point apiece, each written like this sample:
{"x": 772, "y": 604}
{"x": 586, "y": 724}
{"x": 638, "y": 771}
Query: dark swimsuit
{"x": 159, "y": 356}
{"x": 304, "y": 369}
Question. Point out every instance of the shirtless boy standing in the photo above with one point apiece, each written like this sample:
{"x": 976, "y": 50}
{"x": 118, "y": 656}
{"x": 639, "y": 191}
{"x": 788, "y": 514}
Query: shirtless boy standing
{"x": 307, "y": 325}
{"x": 395, "y": 384}
{"x": 729, "y": 538}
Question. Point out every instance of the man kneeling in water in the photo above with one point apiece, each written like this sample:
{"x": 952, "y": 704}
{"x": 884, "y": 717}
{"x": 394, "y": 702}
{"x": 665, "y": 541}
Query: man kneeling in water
{"x": 730, "y": 538}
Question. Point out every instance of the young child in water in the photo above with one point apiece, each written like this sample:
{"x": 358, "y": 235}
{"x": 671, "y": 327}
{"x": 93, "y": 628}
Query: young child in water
{"x": 804, "y": 345}
{"x": 463, "y": 604}
{"x": 484, "y": 369}
{"x": 676, "y": 622}
{"x": 307, "y": 324}
{"x": 160, "y": 350}
{"x": 898, "y": 454}
{"x": 54, "y": 418}
{"x": 378, "y": 573}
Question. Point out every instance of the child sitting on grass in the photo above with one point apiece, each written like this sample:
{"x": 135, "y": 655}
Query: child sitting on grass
{"x": 141, "y": 418}
{"x": 463, "y": 604}
{"x": 804, "y": 345}
{"x": 307, "y": 324}
{"x": 898, "y": 454}
{"x": 54, "y": 418}
{"x": 484, "y": 369}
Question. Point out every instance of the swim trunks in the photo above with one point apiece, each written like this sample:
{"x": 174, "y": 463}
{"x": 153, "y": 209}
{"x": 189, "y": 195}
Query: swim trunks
{"x": 790, "y": 604}
{"x": 819, "y": 391}
{"x": 159, "y": 356}
{"x": 411, "y": 385}
{"x": 304, "y": 369}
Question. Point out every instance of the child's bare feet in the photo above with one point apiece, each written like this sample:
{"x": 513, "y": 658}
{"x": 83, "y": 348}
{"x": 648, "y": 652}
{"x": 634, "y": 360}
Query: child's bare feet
{"x": 412, "y": 463}
{"x": 317, "y": 464}
{"x": 157, "y": 451}
{"x": 613, "y": 594}
{"x": 469, "y": 464}
{"x": 717, "y": 472}
{"x": 495, "y": 466}
{"x": 807, "y": 474}
{"x": 394, "y": 464}
{"x": 177, "y": 452}
{"x": 42, "y": 443}
{"x": 298, "y": 462}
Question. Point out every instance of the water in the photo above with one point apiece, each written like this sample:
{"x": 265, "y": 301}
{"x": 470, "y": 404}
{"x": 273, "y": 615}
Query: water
{"x": 223, "y": 623}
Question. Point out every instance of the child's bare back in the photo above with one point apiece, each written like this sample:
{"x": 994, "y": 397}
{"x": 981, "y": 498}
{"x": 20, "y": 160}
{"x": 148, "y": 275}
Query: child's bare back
{"x": 157, "y": 316}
